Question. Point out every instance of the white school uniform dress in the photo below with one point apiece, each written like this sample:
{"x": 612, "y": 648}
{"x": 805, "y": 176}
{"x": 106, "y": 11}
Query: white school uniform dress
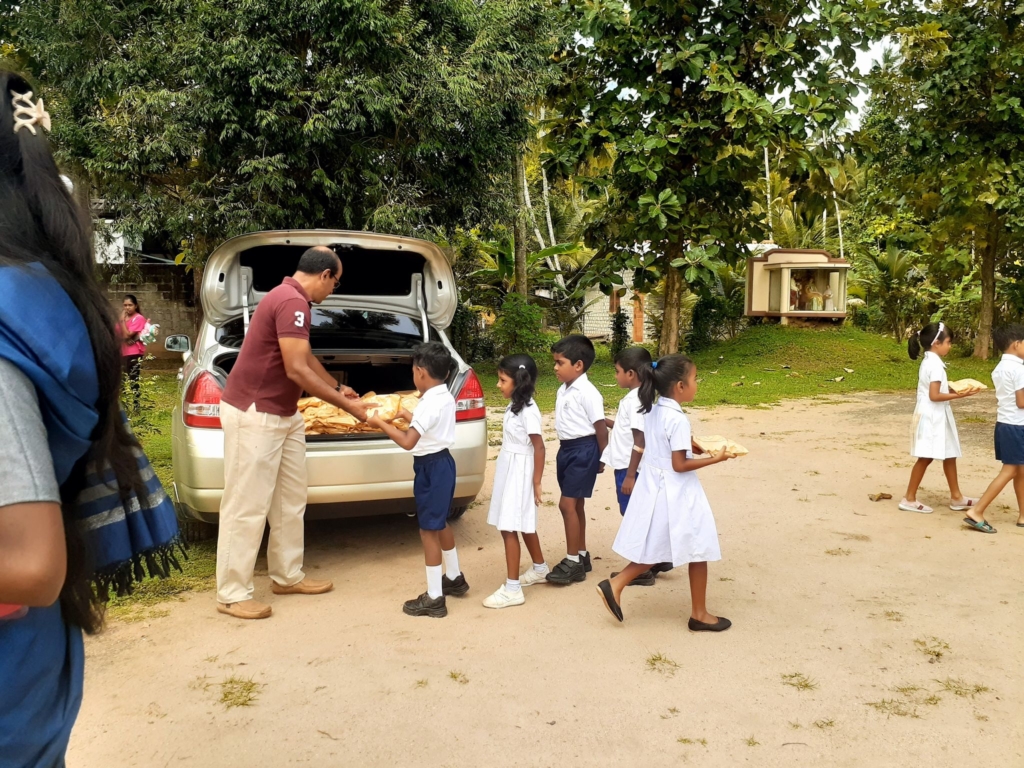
{"x": 620, "y": 439}
{"x": 668, "y": 518}
{"x": 933, "y": 432}
{"x": 512, "y": 502}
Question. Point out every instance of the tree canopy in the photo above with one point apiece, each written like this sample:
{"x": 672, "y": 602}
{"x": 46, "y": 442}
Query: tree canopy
{"x": 684, "y": 96}
{"x": 201, "y": 120}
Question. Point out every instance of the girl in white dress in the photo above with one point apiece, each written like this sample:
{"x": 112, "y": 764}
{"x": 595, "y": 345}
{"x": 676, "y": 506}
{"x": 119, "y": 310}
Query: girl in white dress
{"x": 668, "y": 518}
{"x": 933, "y": 432}
{"x": 517, "y": 477}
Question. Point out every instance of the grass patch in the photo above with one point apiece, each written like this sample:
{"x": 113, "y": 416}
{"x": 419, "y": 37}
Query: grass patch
{"x": 750, "y": 741}
{"x": 893, "y": 616}
{"x": 932, "y": 647}
{"x": 816, "y": 357}
{"x": 458, "y": 677}
{"x": 659, "y": 662}
{"x": 421, "y": 683}
{"x": 800, "y": 681}
{"x": 838, "y": 552}
{"x": 672, "y": 712}
{"x": 824, "y": 723}
{"x": 688, "y": 741}
{"x": 198, "y": 575}
{"x": 239, "y": 692}
{"x": 894, "y": 708}
{"x": 959, "y": 687}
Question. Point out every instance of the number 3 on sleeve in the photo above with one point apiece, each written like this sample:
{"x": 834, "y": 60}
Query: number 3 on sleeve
{"x": 300, "y": 319}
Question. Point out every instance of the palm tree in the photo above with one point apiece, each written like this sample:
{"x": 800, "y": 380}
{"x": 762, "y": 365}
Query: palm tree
{"x": 893, "y": 278}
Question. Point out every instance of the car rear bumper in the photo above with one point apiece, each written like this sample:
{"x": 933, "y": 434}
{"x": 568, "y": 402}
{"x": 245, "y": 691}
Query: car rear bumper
{"x": 345, "y": 477}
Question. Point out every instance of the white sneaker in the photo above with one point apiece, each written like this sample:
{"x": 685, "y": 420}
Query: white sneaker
{"x": 504, "y": 598}
{"x": 915, "y": 506}
{"x": 532, "y": 577}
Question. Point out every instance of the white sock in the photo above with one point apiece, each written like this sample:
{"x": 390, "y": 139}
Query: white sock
{"x": 541, "y": 567}
{"x": 573, "y": 558}
{"x": 434, "y": 581}
{"x": 451, "y": 563}
{"x": 512, "y": 585}
{"x": 583, "y": 553}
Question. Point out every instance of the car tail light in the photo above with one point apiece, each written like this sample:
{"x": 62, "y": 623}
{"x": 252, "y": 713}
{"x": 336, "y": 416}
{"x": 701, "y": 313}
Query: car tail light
{"x": 469, "y": 405}
{"x": 202, "y": 402}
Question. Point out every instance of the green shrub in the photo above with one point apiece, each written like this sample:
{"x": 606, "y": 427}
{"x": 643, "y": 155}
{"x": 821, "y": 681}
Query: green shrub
{"x": 620, "y": 332}
{"x": 518, "y": 327}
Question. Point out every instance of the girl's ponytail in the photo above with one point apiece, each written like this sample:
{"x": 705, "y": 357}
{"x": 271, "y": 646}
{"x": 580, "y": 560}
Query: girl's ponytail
{"x": 914, "y": 346}
{"x": 523, "y": 371}
{"x": 648, "y": 391}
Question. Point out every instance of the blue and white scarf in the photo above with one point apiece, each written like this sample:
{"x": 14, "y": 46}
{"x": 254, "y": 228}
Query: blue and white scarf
{"x": 43, "y": 334}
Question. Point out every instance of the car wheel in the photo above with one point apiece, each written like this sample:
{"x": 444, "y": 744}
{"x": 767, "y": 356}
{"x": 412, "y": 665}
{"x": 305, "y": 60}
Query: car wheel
{"x": 193, "y": 531}
{"x": 456, "y": 512}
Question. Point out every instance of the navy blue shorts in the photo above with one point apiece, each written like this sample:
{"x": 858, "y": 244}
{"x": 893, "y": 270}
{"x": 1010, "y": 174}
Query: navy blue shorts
{"x": 620, "y": 475}
{"x": 576, "y": 467}
{"x": 1009, "y": 443}
{"x": 434, "y": 489}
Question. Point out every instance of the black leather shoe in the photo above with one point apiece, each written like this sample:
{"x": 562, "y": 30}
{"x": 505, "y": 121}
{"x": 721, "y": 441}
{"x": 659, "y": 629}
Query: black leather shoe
{"x": 567, "y": 572}
{"x": 645, "y": 579}
{"x": 456, "y": 587}
{"x": 661, "y": 568}
{"x": 719, "y": 626}
{"x": 585, "y": 559}
{"x": 425, "y": 605}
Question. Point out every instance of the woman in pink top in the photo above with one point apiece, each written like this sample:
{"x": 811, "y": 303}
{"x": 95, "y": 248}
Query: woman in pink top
{"x": 132, "y": 325}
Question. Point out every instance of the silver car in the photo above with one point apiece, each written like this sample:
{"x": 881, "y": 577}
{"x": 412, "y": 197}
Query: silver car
{"x": 395, "y": 292}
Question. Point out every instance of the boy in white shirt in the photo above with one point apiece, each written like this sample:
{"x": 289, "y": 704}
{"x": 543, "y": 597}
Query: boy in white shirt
{"x": 581, "y": 428}
{"x": 1009, "y": 437}
{"x": 431, "y": 433}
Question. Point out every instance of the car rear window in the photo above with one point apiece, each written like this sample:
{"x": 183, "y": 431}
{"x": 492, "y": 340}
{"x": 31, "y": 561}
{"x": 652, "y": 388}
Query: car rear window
{"x": 365, "y": 272}
{"x": 345, "y": 329}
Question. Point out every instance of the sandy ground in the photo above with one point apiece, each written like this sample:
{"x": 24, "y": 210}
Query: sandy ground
{"x": 817, "y": 579}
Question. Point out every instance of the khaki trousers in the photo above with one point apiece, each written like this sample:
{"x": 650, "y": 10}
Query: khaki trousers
{"x": 264, "y": 482}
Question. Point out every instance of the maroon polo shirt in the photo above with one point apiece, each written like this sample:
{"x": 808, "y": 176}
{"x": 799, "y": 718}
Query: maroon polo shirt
{"x": 258, "y": 375}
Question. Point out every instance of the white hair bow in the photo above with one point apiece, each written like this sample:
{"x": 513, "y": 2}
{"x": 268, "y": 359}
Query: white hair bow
{"x": 29, "y": 114}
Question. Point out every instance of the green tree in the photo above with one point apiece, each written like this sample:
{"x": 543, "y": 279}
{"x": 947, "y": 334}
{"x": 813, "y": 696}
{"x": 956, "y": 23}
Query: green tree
{"x": 893, "y": 278}
{"x": 197, "y": 121}
{"x": 959, "y": 109}
{"x": 684, "y": 96}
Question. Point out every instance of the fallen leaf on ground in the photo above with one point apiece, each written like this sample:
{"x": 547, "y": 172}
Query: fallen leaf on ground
{"x": 848, "y": 370}
{"x": 737, "y": 384}
{"x": 837, "y": 378}
{"x": 879, "y": 496}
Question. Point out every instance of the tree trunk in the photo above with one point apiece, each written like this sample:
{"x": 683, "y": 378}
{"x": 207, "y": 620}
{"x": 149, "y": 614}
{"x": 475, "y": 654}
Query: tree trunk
{"x": 519, "y": 229}
{"x": 988, "y": 296}
{"x": 669, "y": 344}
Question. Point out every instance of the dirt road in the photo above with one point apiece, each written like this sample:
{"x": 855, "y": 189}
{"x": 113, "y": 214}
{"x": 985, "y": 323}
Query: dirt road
{"x": 863, "y": 636}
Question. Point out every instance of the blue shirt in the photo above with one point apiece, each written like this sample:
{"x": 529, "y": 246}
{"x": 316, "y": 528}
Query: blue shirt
{"x": 42, "y": 662}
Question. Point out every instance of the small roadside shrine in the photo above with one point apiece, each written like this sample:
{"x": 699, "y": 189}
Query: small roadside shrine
{"x": 796, "y": 283}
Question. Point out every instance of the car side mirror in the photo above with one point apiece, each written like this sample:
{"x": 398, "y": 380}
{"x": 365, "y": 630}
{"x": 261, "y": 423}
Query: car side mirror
{"x": 180, "y": 343}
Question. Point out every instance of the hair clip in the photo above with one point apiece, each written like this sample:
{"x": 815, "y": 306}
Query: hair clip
{"x": 522, "y": 367}
{"x": 654, "y": 364}
{"x": 28, "y": 114}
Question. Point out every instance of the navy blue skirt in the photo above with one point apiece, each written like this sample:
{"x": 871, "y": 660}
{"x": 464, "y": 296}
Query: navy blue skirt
{"x": 1009, "y": 443}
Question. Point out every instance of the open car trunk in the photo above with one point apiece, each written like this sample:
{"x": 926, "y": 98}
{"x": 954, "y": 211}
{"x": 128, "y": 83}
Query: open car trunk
{"x": 383, "y": 374}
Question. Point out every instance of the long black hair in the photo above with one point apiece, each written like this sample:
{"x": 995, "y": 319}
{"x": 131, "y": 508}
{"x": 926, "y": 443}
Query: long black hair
{"x": 41, "y": 223}
{"x": 660, "y": 377}
{"x": 523, "y": 371}
{"x": 922, "y": 340}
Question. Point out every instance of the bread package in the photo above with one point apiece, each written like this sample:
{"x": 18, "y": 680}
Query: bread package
{"x": 966, "y": 385}
{"x": 714, "y": 443}
{"x": 325, "y": 419}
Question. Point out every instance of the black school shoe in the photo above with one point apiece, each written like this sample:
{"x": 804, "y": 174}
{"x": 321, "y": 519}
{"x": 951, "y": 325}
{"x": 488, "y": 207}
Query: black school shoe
{"x": 585, "y": 559}
{"x": 699, "y": 626}
{"x": 661, "y": 568}
{"x": 425, "y": 605}
{"x": 456, "y": 587}
{"x": 567, "y": 572}
{"x": 645, "y": 579}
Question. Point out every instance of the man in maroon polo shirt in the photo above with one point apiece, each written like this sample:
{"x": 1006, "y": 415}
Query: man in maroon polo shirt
{"x": 265, "y": 440}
